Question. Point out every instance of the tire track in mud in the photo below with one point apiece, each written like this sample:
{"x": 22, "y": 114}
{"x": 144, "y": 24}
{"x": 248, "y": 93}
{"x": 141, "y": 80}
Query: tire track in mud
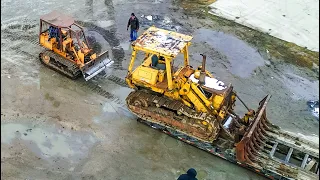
{"x": 16, "y": 41}
{"x": 17, "y": 49}
{"x": 96, "y": 88}
{"x": 13, "y": 32}
{"x": 117, "y": 80}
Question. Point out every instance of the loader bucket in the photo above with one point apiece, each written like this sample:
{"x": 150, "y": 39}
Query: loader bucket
{"x": 94, "y": 67}
{"x": 255, "y": 136}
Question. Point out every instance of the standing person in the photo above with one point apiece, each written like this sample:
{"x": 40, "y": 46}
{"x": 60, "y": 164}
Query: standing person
{"x": 191, "y": 175}
{"x": 134, "y": 27}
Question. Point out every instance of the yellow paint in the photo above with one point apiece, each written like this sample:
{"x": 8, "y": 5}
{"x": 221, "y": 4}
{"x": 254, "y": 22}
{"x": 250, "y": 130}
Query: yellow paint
{"x": 186, "y": 56}
{"x": 204, "y": 123}
{"x": 93, "y": 56}
{"x": 186, "y": 102}
{"x": 145, "y": 74}
{"x": 161, "y": 75}
{"x": 169, "y": 74}
{"x": 178, "y": 71}
{"x": 74, "y": 51}
{"x": 199, "y": 106}
{"x": 44, "y": 41}
{"x": 200, "y": 94}
{"x": 217, "y": 101}
{"x": 209, "y": 74}
{"x": 185, "y": 89}
{"x": 133, "y": 57}
{"x": 222, "y": 113}
{"x": 81, "y": 56}
{"x": 172, "y": 94}
{"x": 130, "y": 84}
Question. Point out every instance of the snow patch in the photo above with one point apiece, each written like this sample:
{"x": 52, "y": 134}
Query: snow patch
{"x": 293, "y": 21}
{"x": 210, "y": 83}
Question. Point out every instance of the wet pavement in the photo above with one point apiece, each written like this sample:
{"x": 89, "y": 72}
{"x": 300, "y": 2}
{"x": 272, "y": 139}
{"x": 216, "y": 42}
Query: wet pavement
{"x": 55, "y": 128}
{"x": 50, "y": 143}
{"x": 242, "y": 59}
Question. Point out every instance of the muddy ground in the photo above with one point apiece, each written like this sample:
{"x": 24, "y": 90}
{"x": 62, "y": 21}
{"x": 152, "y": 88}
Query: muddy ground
{"x": 56, "y": 128}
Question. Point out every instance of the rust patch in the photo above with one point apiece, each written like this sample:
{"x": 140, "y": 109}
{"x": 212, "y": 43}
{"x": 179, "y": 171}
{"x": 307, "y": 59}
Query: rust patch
{"x": 286, "y": 171}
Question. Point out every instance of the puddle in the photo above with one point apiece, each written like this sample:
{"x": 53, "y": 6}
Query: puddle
{"x": 242, "y": 57}
{"x": 109, "y": 108}
{"x": 122, "y": 92}
{"x": 125, "y": 45}
{"x": 170, "y": 142}
{"x": 49, "y": 143}
{"x": 112, "y": 111}
{"x": 202, "y": 174}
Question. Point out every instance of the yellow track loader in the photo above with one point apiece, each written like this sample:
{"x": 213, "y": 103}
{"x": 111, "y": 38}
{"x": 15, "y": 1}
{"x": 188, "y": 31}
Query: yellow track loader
{"x": 197, "y": 108}
{"x": 67, "y": 49}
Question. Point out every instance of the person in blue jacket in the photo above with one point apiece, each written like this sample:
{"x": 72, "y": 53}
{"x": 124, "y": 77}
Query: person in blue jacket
{"x": 191, "y": 175}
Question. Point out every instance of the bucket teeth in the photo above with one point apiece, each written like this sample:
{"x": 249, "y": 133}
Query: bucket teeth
{"x": 251, "y": 156}
{"x": 261, "y": 128}
{"x": 261, "y": 135}
{"x": 259, "y": 140}
{"x": 254, "y": 149}
{"x": 265, "y": 125}
{"x": 256, "y": 136}
{"x": 247, "y": 159}
{"x": 258, "y": 144}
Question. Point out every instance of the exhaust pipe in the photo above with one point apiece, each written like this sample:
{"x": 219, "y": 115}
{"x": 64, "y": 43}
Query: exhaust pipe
{"x": 203, "y": 70}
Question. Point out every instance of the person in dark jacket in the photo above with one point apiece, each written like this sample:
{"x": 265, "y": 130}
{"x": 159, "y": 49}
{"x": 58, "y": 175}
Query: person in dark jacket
{"x": 191, "y": 175}
{"x": 134, "y": 27}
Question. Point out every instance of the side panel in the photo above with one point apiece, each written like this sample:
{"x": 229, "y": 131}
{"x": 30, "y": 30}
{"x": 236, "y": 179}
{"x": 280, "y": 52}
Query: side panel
{"x": 145, "y": 74}
{"x": 200, "y": 102}
{"x": 44, "y": 41}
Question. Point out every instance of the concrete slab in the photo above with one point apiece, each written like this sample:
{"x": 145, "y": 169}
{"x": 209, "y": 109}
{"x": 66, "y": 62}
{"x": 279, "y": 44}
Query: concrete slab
{"x": 294, "y": 21}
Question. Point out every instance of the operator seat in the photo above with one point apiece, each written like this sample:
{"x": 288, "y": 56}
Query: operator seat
{"x": 155, "y": 63}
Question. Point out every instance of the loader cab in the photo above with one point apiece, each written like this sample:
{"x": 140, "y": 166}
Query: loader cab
{"x": 160, "y": 48}
{"x": 59, "y": 33}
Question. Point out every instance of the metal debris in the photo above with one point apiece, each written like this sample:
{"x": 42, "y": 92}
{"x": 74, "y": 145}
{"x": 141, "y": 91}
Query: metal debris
{"x": 314, "y": 107}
